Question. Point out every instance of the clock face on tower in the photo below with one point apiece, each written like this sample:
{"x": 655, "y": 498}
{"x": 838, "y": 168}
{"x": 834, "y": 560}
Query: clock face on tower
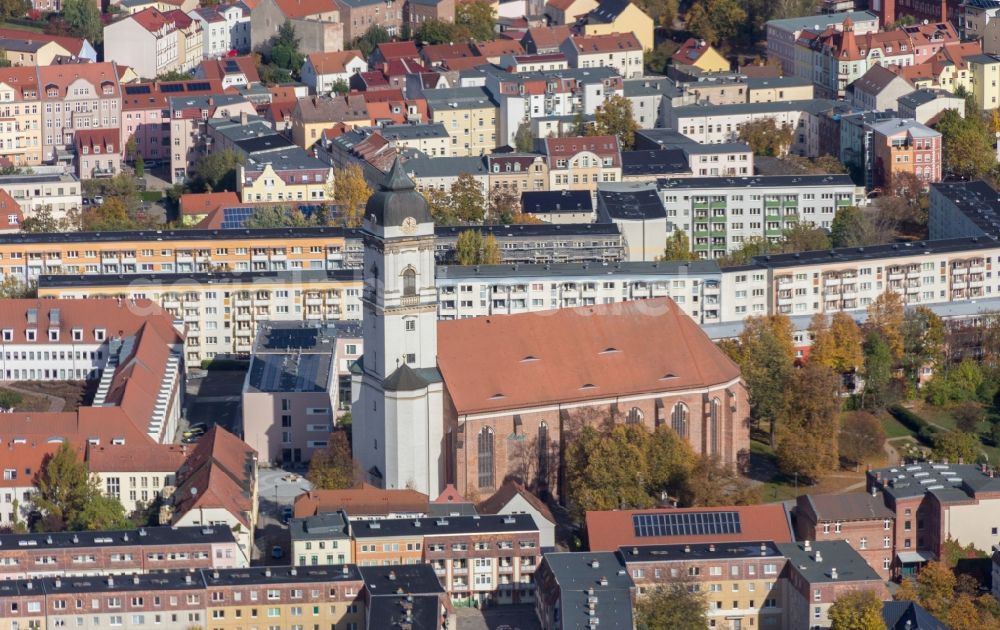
{"x": 409, "y": 225}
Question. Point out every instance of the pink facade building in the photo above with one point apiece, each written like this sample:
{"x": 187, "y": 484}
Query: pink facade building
{"x": 146, "y": 113}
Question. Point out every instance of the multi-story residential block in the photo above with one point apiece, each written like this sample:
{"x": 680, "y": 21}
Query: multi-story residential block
{"x": 712, "y": 160}
{"x": 60, "y": 193}
{"x": 879, "y": 89}
{"x": 816, "y": 574}
{"x": 153, "y": 43}
{"x": 136, "y": 474}
{"x": 741, "y": 580}
{"x": 534, "y": 62}
{"x": 364, "y": 501}
{"x": 963, "y": 209}
{"x": 321, "y": 540}
{"x": 782, "y": 34}
{"x": 618, "y": 16}
{"x": 621, "y": 51}
{"x": 359, "y": 15}
{"x": 638, "y": 212}
{"x": 322, "y": 71}
{"x": 927, "y": 104}
{"x": 292, "y": 392}
{"x": 291, "y": 175}
{"x": 860, "y": 519}
{"x": 99, "y": 153}
{"x": 77, "y": 96}
{"x": 469, "y": 115}
{"x": 719, "y": 214}
{"x": 504, "y": 289}
{"x": 146, "y": 114}
{"x": 580, "y": 163}
{"x": 313, "y": 115}
{"x": 489, "y": 558}
{"x": 717, "y": 124}
{"x": 135, "y": 551}
{"x": 564, "y": 206}
{"x": 430, "y": 173}
{"x": 20, "y": 117}
{"x": 416, "y": 12}
{"x": 577, "y": 590}
{"x": 224, "y": 28}
{"x": 904, "y": 146}
{"x": 517, "y": 172}
{"x": 428, "y": 138}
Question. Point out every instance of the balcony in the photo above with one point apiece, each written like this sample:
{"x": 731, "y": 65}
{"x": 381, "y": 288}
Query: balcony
{"x": 460, "y": 570}
{"x": 409, "y": 300}
{"x": 831, "y": 282}
{"x": 102, "y": 172}
{"x": 313, "y": 301}
{"x": 505, "y": 569}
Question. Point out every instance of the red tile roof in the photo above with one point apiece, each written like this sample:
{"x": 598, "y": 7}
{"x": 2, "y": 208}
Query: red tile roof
{"x": 196, "y": 204}
{"x": 107, "y": 140}
{"x": 156, "y": 98}
{"x": 505, "y": 493}
{"x": 398, "y": 50}
{"x": 23, "y": 80}
{"x": 361, "y": 500}
{"x": 501, "y": 363}
{"x": 216, "y": 68}
{"x": 690, "y": 51}
{"x": 333, "y": 62}
{"x": 603, "y": 146}
{"x": 61, "y": 76}
{"x": 497, "y": 47}
{"x": 607, "y": 531}
{"x": 436, "y": 53}
{"x": 73, "y": 44}
{"x": 548, "y": 37}
{"x": 150, "y": 19}
{"x": 450, "y": 494}
{"x": 614, "y": 42}
{"x": 25, "y": 459}
{"x": 9, "y": 208}
{"x": 303, "y": 8}
{"x": 108, "y": 458}
{"x": 219, "y": 473}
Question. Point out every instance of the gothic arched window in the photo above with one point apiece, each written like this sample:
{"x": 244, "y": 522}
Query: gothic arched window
{"x": 543, "y": 453}
{"x": 679, "y": 419}
{"x": 713, "y": 425}
{"x": 634, "y": 416}
{"x": 409, "y": 281}
{"x": 485, "y": 453}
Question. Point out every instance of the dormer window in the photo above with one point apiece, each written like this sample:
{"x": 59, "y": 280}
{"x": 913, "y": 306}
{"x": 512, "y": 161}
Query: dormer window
{"x": 100, "y": 334}
{"x": 77, "y": 334}
{"x": 86, "y": 150}
{"x": 8, "y": 334}
{"x": 53, "y": 334}
{"x": 31, "y": 334}
{"x": 97, "y": 150}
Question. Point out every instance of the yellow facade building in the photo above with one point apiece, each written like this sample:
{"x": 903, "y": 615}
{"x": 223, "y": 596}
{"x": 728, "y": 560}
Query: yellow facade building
{"x": 615, "y": 16}
{"x": 469, "y": 115}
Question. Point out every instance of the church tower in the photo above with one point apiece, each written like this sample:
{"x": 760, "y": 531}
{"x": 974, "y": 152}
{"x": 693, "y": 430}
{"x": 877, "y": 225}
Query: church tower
{"x": 397, "y": 412}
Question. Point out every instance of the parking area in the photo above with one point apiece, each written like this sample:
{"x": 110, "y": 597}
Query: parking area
{"x": 520, "y": 617}
{"x": 277, "y": 490}
{"x": 213, "y": 397}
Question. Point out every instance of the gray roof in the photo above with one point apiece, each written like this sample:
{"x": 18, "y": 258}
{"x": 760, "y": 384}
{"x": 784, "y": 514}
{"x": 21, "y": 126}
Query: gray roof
{"x": 895, "y": 125}
{"x": 874, "y": 252}
{"x": 397, "y": 199}
{"x": 814, "y": 106}
{"x": 655, "y": 162}
{"x": 948, "y": 482}
{"x": 233, "y": 129}
{"x": 219, "y": 278}
{"x": 207, "y": 101}
{"x": 407, "y": 379}
{"x": 586, "y": 270}
{"x": 281, "y": 575}
{"x": 582, "y": 575}
{"x": 146, "y": 536}
{"x": 770, "y": 181}
{"x": 546, "y": 201}
{"x": 459, "y": 98}
{"x": 905, "y": 615}
{"x": 444, "y": 166}
{"x": 416, "y": 612}
{"x": 976, "y": 200}
{"x": 325, "y": 526}
{"x": 699, "y": 551}
{"x": 818, "y": 564}
{"x": 651, "y": 86}
{"x": 760, "y": 83}
{"x": 850, "y": 506}
{"x": 412, "y": 131}
{"x": 290, "y": 372}
{"x": 821, "y": 22}
{"x": 926, "y": 95}
{"x": 444, "y": 526}
{"x": 637, "y": 204}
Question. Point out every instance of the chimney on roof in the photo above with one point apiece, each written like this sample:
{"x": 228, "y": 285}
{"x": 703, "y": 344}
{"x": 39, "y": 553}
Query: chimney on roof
{"x": 819, "y": 556}
{"x": 392, "y": 576}
{"x": 833, "y": 573}
{"x": 807, "y": 546}
{"x": 244, "y": 119}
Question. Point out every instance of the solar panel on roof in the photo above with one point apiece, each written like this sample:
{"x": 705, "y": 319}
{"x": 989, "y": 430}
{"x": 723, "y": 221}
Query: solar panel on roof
{"x": 232, "y": 66}
{"x": 201, "y": 86}
{"x": 172, "y": 87}
{"x": 287, "y": 338}
{"x": 686, "y": 524}
{"x": 233, "y": 218}
{"x": 137, "y": 89}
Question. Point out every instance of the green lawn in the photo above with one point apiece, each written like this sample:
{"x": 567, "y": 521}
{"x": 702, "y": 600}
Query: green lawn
{"x": 893, "y": 428}
{"x": 24, "y": 27}
{"x": 151, "y": 195}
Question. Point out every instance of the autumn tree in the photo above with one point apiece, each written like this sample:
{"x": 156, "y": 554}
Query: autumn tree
{"x": 837, "y": 345}
{"x": 471, "y": 248}
{"x": 857, "y": 610}
{"x": 505, "y": 208}
{"x": 672, "y": 605}
{"x": 804, "y": 237}
{"x": 215, "y": 171}
{"x": 111, "y": 216}
{"x": 476, "y": 20}
{"x": 716, "y": 21}
{"x": 886, "y": 315}
{"x": 333, "y": 468}
{"x": 923, "y": 334}
{"x": 615, "y": 118}
{"x": 605, "y": 472}
{"x": 440, "y": 206}
{"x": 861, "y": 437}
{"x": 68, "y": 498}
{"x": 968, "y": 416}
{"x": 713, "y": 482}
{"x": 767, "y": 358}
{"x": 935, "y": 587}
{"x": 766, "y": 138}
{"x": 678, "y": 247}
{"x": 43, "y": 220}
{"x": 956, "y": 445}
{"x": 13, "y": 288}
{"x": 351, "y": 193}
{"x": 967, "y": 145}
{"x": 808, "y": 440}
{"x": 467, "y": 202}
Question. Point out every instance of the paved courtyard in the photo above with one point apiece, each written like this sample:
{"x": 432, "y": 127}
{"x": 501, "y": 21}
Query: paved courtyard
{"x": 520, "y": 617}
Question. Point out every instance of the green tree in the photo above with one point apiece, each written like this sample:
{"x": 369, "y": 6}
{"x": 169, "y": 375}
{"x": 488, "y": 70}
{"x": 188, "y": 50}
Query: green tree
{"x": 861, "y": 436}
{"x": 440, "y": 206}
{"x": 12, "y": 288}
{"x": 713, "y": 482}
{"x": 955, "y": 445}
{"x": 968, "y": 416}
{"x": 751, "y": 247}
{"x": 174, "y": 75}
{"x": 64, "y": 487}
{"x": 140, "y": 166}
{"x": 766, "y": 138}
{"x": 675, "y": 605}
{"x": 878, "y": 387}
{"x": 111, "y": 216}
{"x": 767, "y": 359}
{"x": 857, "y": 610}
{"x": 284, "y": 51}
{"x": 669, "y": 460}
{"x": 333, "y": 468}
{"x": 83, "y": 18}
{"x": 923, "y": 334}
{"x": 471, "y": 248}
{"x": 216, "y": 171}
{"x": 42, "y": 220}
{"x": 678, "y": 247}
{"x": 699, "y": 21}
{"x": 14, "y": 8}
{"x": 967, "y": 144}
{"x": 467, "y": 201}
{"x": 274, "y": 216}
{"x": 101, "y": 513}
{"x": 803, "y": 237}
{"x": 476, "y": 20}
{"x": 341, "y": 87}
{"x": 367, "y": 42}
{"x": 605, "y": 472}
{"x": 614, "y": 118}
{"x": 436, "y": 32}
{"x": 848, "y": 228}
{"x": 886, "y": 315}
{"x": 9, "y": 399}
{"x": 808, "y": 440}
{"x": 351, "y": 193}
{"x": 524, "y": 140}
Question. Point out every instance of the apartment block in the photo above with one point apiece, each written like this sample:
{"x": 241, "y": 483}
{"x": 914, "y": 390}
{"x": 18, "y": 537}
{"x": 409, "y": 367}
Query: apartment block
{"x": 482, "y": 559}
{"x": 469, "y": 115}
{"x": 146, "y": 113}
{"x": 321, "y": 540}
{"x": 963, "y": 209}
{"x": 621, "y": 51}
{"x": 905, "y": 147}
{"x": 59, "y": 192}
{"x": 153, "y": 42}
{"x": 20, "y": 116}
{"x": 295, "y": 385}
{"x": 135, "y": 551}
{"x": 189, "y": 126}
{"x": 577, "y": 590}
{"x": 505, "y": 289}
{"x": 580, "y": 163}
{"x": 136, "y": 474}
{"x": 741, "y": 581}
{"x": 719, "y": 214}
{"x": 77, "y": 96}
{"x": 860, "y": 519}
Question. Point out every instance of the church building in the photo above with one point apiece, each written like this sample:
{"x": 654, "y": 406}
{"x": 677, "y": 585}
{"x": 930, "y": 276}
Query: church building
{"x": 474, "y": 402}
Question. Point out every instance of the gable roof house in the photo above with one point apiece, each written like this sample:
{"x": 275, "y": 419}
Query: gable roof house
{"x": 322, "y": 71}
{"x": 879, "y": 89}
{"x": 619, "y": 16}
{"x": 152, "y": 42}
{"x": 697, "y": 54}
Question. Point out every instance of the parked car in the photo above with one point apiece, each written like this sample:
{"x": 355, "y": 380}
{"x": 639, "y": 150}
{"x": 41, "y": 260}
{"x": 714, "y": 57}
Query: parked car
{"x": 98, "y": 200}
{"x": 277, "y": 552}
{"x": 195, "y": 430}
{"x": 190, "y": 440}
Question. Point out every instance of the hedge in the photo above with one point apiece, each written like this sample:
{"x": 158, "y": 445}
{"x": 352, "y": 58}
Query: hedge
{"x": 225, "y": 364}
{"x": 923, "y": 430}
